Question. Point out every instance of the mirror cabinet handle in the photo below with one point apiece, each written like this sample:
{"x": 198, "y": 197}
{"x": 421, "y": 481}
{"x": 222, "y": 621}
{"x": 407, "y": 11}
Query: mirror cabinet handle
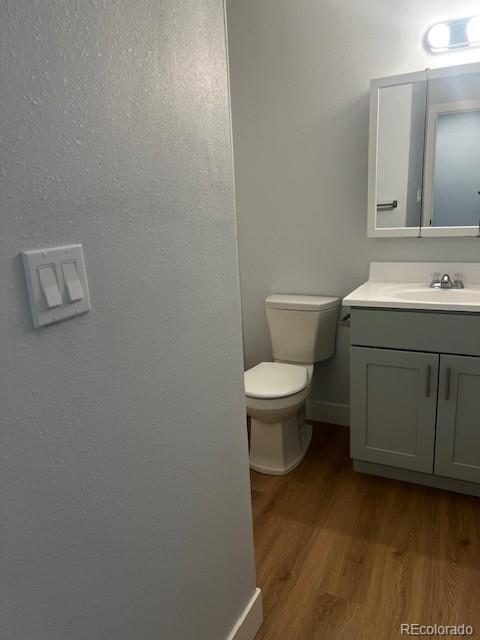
{"x": 386, "y": 206}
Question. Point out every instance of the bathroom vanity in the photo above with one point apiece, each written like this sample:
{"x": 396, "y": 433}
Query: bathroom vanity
{"x": 415, "y": 375}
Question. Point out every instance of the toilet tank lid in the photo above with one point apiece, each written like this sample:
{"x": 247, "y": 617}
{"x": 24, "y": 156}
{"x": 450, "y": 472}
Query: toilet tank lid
{"x": 301, "y": 303}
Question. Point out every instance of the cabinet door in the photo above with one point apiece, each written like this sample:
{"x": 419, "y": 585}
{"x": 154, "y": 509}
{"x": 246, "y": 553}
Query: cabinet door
{"x": 393, "y": 407}
{"x": 457, "y": 452}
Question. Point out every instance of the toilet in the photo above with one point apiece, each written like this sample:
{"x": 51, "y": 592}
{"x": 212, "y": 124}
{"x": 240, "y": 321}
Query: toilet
{"x": 302, "y": 330}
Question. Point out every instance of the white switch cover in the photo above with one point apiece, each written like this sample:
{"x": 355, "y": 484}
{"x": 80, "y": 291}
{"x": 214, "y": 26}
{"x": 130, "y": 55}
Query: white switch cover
{"x": 57, "y": 283}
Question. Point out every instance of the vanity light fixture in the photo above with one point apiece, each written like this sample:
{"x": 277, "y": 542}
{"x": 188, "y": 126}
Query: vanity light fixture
{"x": 438, "y": 37}
{"x": 455, "y": 34}
{"x": 473, "y": 30}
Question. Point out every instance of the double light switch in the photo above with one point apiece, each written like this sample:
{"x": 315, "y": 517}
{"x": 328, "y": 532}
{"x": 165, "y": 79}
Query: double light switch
{"x": 57, "y": 283}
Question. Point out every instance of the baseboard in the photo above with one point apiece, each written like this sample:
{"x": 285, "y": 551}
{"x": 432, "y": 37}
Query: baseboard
{"x": 250, "y": 621}
{"x": 328, "y": 412}
{"x": 405, "y": 475}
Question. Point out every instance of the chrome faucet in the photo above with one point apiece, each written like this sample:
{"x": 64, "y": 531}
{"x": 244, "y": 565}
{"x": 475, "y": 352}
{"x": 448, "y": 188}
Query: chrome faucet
{"x": 445, "y": 282}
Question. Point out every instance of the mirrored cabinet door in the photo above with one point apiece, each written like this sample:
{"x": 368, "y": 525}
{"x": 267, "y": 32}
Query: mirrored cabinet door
{"x": 424, "y": 154}
{"x": 452, "y": 154}
{"x": 401, "y": 127}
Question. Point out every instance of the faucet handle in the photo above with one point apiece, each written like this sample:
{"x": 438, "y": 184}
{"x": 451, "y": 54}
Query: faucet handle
{"x": 436, "y": 280}
{"x": 458, "y": 281}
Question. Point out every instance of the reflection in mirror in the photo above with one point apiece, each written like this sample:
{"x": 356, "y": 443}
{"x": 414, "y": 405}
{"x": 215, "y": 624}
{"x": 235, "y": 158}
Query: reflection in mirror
{"x": 452, "y": 157}
{"x": 401, "y": 125}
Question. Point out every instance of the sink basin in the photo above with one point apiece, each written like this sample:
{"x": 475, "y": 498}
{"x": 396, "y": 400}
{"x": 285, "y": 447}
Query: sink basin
{"x": 443, "y": 296}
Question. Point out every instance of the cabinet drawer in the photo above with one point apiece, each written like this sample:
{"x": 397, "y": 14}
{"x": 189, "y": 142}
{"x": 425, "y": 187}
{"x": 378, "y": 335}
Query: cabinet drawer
{"x": 416, "y": 331}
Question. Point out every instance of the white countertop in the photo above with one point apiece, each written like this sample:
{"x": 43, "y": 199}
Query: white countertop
{"x": 405, "y": 285}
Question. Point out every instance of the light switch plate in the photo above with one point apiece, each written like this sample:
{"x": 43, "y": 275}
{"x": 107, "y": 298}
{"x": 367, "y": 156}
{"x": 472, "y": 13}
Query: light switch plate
{"x": 57, "y": 257}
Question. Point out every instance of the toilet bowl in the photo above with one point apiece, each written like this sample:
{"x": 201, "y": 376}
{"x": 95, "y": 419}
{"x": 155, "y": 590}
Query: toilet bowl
{"x": 302, "y": 329}
{"x": 275, "y": 397}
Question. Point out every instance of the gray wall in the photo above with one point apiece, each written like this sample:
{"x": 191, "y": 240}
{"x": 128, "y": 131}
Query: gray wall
{"x": 124, "y": 472}
{"x": 300, "y": 75}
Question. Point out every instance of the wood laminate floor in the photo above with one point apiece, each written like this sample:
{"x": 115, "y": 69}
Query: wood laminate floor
{"x": 343, "y": 555}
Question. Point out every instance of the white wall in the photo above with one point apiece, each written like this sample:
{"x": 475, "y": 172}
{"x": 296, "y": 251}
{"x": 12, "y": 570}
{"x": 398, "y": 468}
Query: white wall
{"x": 125, "y": 506}
{"x": 300, "y": 74}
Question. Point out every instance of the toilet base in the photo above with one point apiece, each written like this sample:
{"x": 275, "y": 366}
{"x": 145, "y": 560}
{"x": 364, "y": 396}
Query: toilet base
{"x": 276, "y": 449}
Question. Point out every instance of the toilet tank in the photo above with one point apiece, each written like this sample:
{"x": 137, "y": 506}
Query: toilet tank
{"x": 302, "y": 328}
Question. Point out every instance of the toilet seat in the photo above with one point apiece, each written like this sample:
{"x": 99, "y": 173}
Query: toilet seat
{"x": 275, "y": 380}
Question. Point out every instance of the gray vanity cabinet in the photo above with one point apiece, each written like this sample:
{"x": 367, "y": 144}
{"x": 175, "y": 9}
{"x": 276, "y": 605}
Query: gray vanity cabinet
{"x": 457, "y": 453}
{"x": 394, "y": 400}
{"x": 415, "y": 397}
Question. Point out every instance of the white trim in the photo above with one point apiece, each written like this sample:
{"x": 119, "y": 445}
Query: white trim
{"x": 331, "y": 412}
{"x": 457, "y": 106}
{"x": 456, "y": 70}
{"x": 434, "y": 74}
{"x": 449, "y": 232}
{"x": 250, "y": 621}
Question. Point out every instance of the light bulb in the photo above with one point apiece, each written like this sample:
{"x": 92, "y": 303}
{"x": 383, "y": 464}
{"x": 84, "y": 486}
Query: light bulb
{"x": 439, "y": 36}
{"x": 473, "y": 30}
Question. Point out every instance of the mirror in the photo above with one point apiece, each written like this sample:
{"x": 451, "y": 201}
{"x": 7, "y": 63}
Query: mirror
{"x": 452, "y": 153}
{"x": 401, "y": 126}
{"x": 424, "y": 154}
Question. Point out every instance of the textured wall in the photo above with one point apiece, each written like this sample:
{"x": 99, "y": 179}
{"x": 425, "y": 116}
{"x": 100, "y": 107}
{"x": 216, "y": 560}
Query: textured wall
{"x": 124, "y": 472}
{"x": 300, "y": 74}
